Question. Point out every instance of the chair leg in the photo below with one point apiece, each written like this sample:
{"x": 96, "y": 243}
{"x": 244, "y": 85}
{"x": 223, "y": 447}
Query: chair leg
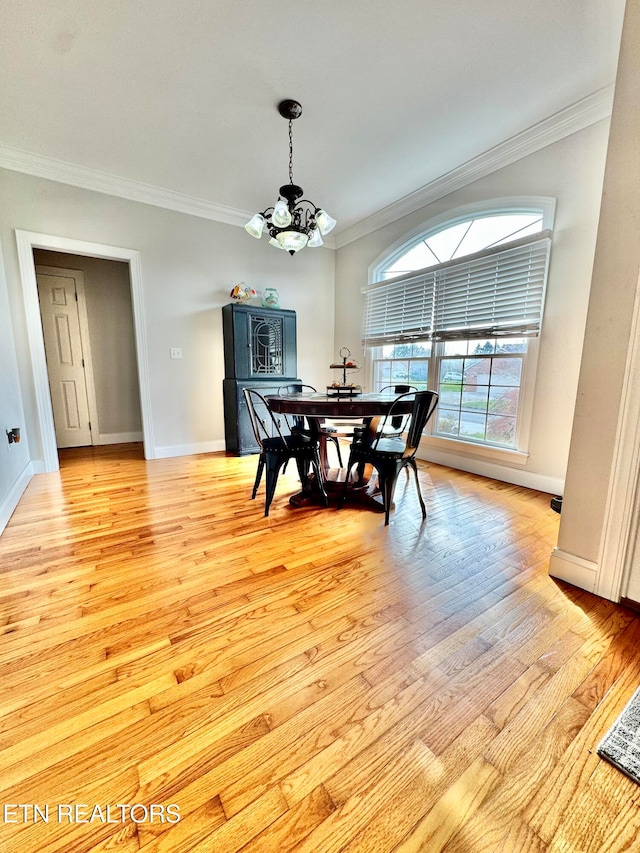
{"x": 412, "y": 462}
{"x": 258, "y": 477}
{"x": 387, "y": 477}
{"x": 273, "y": 469}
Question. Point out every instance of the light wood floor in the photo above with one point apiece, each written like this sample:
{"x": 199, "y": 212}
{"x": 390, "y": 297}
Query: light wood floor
{"x": 311, "y": 681}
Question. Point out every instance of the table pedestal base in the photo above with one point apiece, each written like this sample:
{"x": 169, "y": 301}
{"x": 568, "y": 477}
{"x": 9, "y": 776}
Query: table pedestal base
{"x": 363, "y": 493}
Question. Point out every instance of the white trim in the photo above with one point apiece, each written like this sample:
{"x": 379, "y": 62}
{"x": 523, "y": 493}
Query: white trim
{"x": 27, "y": 241}
{"x": 168, "y": 451}
{"x": 574, "y": 570}
{"x": 117, "y": 438}
{"x": 41, "y": 166}
{"x": 578, "y": 116}
{"x": 16, "y": 491}
{"x": 474, "y": 450}
{"x": 492, "y": 470}
{"x": 620, "y": 508}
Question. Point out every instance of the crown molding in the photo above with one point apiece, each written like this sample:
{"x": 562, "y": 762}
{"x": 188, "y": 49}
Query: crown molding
{"x": 104, "y": 182}
{"x": 578, "y": 116}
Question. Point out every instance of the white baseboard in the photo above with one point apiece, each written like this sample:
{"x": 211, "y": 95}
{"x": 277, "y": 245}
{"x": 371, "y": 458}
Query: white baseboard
{"x": 168, "y": 451}
{"x": 573, "y": 569}
{"x": 118, "y": 437}
{"x": 11, "y": 501}
{"x": 527, "y": 479}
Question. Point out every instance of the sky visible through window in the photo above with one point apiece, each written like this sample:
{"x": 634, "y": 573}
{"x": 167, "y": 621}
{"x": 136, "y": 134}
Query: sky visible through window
{"x": 465, "y": 238}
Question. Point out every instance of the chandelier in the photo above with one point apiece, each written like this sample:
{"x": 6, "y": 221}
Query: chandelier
{"x": 290, "y": 223}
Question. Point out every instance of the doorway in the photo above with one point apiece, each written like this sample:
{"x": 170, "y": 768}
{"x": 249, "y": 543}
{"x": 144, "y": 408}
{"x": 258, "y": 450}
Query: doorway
{"x": 87, "y": 320}
{"x": 27, "y": 242}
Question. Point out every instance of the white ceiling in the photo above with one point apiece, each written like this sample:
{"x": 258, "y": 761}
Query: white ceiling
{"x": 182, "y": 94}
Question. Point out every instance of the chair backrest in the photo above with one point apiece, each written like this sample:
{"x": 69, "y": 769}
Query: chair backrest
{"x": 424, "y": 404}
{"x": 398, "y": 389}
{"x": 399, "y": 422}
{"x": 263, "y": 421}
{"x": 294, "y": 421}
{"x": 295, "y": 388}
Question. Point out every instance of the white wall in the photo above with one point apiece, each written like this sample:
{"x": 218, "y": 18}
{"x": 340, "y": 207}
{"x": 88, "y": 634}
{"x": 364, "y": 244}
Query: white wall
{"x": 188, "y": 267}
{"x": 592, "y": 540}
{"x": 15, "y": 469}
{"x": 570, "y": 171}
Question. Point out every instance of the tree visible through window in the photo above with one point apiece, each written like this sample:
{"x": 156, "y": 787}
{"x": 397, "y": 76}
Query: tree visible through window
{"x": 478, "y": 376}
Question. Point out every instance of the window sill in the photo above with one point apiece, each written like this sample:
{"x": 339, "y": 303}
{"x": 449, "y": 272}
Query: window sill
{"x": 474, "y": 451}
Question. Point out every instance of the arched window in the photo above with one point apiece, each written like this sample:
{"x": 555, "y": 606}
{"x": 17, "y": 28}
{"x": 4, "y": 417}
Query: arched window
{"x": 455, "y": 308}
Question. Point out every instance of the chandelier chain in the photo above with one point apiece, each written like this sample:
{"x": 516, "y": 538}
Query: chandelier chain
{"x": 290, "y": 152}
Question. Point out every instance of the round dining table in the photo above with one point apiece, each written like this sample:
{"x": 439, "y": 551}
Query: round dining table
{"x": 316, "y": 408}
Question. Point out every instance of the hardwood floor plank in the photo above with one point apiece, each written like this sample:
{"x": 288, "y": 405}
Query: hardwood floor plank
{"x": 452, "y": 810}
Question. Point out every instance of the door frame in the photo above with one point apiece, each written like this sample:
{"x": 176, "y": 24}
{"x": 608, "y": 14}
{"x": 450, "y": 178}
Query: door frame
{"x": 27, "y": 241}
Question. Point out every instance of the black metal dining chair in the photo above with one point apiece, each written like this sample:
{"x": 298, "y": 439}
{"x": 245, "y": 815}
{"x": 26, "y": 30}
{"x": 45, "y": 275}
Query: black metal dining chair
{"x": 276, "y": 449}
{"x": 327, "y": 433}
{"x": 390, "y": 455}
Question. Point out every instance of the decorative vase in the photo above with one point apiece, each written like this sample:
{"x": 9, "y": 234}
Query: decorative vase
{"x": 241, "y": 293}
{"x": 270, "y": 298}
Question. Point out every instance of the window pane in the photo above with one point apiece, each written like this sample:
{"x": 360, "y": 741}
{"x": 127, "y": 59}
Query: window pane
{"x": 446, "y": 242}
{"x": 477, "y": 371}
{"x": 451, "y": 370}
{"x": 511, "y": 345}
{"x": 472, "y": 425}
{"x": 485, "y": 347}
{"x": 448, "y": 421}
{"x": 418, "y": 373}
{"x": 399, "y": 371}
{"x": 475, "y": 398}
{"x": 450, "y": 395}
{"x": 504, "y": 401}
{"x": 401, "y": 351}
{"x": 455, "y": 348}
{"x": 417, "y": 258}
{"x": 501, "y": 429}
{"x": 382, "y": 373}
{"x": 421, "y": 349}
{"x": 506, "y": 371}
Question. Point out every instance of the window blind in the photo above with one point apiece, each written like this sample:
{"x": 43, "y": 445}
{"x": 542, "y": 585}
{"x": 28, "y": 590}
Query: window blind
{"x": 498, "y": 291}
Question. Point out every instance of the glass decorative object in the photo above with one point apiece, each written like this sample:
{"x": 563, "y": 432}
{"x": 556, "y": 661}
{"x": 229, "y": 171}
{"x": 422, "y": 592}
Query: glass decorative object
{"x": 270, "y": 298}
{"x": 241, "y": 293}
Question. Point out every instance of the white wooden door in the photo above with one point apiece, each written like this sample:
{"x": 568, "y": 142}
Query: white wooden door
{"x": 65, "y": 363}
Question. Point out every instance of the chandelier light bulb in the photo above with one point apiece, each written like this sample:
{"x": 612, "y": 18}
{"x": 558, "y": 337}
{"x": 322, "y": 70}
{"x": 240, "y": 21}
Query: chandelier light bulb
{"x": 281, "y": 217}
{"x": 315, "y": 239}
{"x": 255, "y": 225}
{"x": 325, "y": 222}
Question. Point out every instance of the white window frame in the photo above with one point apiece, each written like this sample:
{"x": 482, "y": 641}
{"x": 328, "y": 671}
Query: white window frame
{"x": 493, "y": 207}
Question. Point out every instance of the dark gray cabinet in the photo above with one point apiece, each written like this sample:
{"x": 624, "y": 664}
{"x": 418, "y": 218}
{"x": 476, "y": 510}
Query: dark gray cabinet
{"x": 259, "y": 352}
